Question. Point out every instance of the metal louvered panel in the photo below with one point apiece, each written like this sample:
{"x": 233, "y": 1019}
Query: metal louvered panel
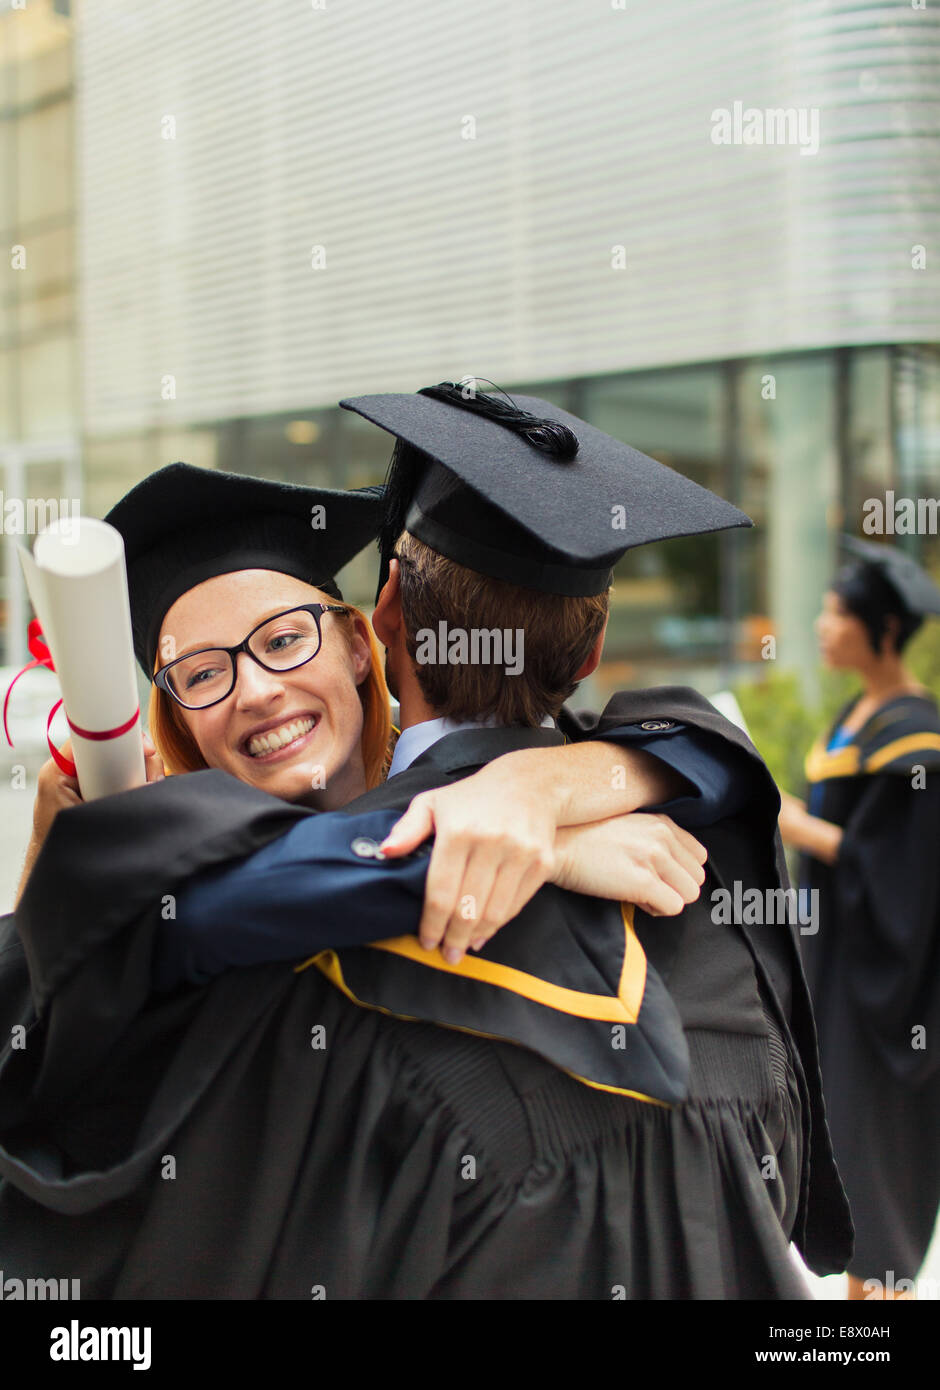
{"x": 343, "y": 128}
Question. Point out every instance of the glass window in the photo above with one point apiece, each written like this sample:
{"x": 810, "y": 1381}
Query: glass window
{"x": 44, "y": 163}
{"x": 7, "y": 66}
{"x": 47, "y": 71}
{"x": 917, "y": 413}
{"x": 560, "y": 393}
{"x": 362, "y": 454}
{"x": 112, "y": 467}
{"x": 665, "y": 621}
{"x": 46, "y": 480}
{"x": 364, "y": 450}
{"x": 200, "y": 447}
{"x": 787, "y": 442}
{"x": 50, "y": 261}
{"x": 46, "y": 489}
{"x": 7, "y": 134}
{"x": 917, "y": 397}
{"x": 288, "y": 448}
{"x": 47, "y": 314}
{"x": 9, "y": 426}
{"x": 49, "y": 388}
{"x": 870, "y": 454}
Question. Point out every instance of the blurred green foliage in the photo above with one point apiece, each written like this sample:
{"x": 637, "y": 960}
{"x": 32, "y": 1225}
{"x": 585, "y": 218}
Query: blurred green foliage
{"x": 783, "y": 727}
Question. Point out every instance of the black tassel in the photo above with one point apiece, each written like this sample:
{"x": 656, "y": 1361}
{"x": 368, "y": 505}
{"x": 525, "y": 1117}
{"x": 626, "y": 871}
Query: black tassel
{"x": 547, "y": 436}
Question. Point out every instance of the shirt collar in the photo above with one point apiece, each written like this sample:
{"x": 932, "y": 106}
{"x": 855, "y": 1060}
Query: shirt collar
{"x": 417, "y": 739}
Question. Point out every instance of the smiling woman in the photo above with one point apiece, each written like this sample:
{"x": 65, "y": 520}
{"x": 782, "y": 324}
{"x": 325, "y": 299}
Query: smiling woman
{"x": 251, "y": 550}
{"x": 314, "y": 732}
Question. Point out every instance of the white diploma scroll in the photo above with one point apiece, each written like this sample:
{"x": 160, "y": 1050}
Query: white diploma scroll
{"x": 726, "y": 703}
{"x": 77, "y": 581}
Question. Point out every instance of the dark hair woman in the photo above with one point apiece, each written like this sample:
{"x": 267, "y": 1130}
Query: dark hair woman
{"x": 870, "y": 837}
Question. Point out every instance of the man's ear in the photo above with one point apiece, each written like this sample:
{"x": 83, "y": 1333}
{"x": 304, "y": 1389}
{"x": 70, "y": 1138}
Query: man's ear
{"x": 386, "y": 619}
{"x": 591, "y": 662}
{"x": 360, "y": 649}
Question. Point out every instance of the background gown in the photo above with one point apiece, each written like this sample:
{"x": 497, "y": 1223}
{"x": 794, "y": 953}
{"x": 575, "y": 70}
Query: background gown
{"x": 874, "y": 972}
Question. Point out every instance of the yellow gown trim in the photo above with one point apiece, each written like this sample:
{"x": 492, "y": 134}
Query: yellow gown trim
{"x": 910, "y": 743}
{"x": 841, "y": 762}
{"x": 328, "y": 963}
{"x": 847, "y": 761}
{"x": 624, "y": 1007}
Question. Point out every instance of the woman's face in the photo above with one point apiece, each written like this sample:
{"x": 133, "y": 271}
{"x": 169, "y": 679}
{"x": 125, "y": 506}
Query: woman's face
{"x": 843, "y": 640}
{"x": 322, "y": 764}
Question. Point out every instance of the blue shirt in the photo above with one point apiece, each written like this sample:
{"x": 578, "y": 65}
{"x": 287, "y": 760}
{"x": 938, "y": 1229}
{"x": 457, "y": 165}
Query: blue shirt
{"x": 314, "y": 887}
{"x": 418, "y": 738}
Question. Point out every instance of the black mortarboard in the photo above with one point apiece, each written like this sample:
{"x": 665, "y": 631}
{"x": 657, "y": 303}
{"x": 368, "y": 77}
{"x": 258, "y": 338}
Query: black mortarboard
{"x": 182, "y": 525}
{"x": 507, "y": 491}
{"x": 913, "y": 585}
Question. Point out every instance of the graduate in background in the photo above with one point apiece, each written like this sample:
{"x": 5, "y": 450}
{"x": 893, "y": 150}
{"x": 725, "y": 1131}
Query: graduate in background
{"x": 870, "y": 837}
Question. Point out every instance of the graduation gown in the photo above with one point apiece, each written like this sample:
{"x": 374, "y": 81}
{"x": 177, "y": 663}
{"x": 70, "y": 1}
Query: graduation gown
{"x": 874, "y": 971}
{"x": 264, "y": 1135}
{"x": 593, "y": 978}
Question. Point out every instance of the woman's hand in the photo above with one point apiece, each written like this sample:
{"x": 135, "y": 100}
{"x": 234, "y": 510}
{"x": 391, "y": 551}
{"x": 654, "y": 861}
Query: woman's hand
{"x": 495, "y": 831}
{"x": 55, "y": 792}
{"x": 152, "y": 761}
{"x": 642, "y": 859}
{"x": 491, "y": 855}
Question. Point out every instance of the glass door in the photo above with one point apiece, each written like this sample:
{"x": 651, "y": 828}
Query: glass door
{"x": 39, "y": 483}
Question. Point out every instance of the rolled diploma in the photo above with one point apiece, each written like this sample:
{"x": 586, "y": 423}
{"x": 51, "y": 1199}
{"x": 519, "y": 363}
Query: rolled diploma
{"x": 77, "y": 581}
{"x": 725, "y": 702}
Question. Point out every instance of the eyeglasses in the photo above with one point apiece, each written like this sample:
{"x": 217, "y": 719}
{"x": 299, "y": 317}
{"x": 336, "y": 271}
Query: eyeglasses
{"x": 282, "y": 643}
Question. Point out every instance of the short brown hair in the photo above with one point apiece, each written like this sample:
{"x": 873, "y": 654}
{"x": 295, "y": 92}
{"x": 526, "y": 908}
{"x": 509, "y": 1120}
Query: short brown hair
{"x": 559, "y": 633}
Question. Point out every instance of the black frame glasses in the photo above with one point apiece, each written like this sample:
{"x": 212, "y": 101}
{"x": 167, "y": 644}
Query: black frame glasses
{"x": 316, "y": 610}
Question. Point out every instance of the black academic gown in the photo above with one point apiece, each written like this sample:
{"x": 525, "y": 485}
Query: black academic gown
{"x": 874, "y": 972}
{"x": 264, "y": 1136}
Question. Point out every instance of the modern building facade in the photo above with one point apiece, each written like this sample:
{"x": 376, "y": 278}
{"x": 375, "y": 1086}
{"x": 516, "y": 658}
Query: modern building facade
{"x": 233, "y": 215}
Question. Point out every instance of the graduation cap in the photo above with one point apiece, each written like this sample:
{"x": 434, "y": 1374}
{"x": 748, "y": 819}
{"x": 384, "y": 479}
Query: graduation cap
{"x": 525, "y": 492}
{"x": 912, "y": 584}
{"x": 182, "y": 525}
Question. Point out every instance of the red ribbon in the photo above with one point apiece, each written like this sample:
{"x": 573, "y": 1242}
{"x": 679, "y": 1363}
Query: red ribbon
{"x": 43, "y": 657}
